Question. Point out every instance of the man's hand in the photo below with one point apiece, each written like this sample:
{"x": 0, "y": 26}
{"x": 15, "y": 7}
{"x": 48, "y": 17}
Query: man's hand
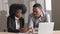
{"x": 31, "y": 30}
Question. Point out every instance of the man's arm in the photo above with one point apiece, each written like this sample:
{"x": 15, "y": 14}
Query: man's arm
{"x": 47, "y": 17}
{"x": 30, "y": 24}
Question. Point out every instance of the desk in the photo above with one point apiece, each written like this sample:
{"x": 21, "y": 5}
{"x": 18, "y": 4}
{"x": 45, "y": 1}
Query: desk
{"x": 54, "y": 32}
{"x": 6, "y": 33}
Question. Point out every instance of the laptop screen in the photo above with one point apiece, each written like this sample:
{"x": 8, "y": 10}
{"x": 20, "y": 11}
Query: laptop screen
{"x": 46, "y": 28}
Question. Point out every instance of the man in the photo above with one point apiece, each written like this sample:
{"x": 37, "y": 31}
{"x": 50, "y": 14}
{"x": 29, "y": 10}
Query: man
{"x": 15, "y": 22}
{"x": 36, "y": 17}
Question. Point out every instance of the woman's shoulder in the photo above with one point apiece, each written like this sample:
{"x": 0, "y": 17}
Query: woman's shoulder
{"x": 10, "y": 16}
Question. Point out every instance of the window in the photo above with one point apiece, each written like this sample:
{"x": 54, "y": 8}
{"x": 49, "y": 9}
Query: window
{"x": 48, "y": 4}
{"x": 4, "y": 5}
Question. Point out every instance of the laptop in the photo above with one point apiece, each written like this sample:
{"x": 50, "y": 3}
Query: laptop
{"x": 46, "y": 28}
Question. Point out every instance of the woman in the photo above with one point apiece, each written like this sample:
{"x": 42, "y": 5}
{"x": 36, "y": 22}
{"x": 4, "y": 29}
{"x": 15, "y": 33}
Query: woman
{"x": 15, "y": 22}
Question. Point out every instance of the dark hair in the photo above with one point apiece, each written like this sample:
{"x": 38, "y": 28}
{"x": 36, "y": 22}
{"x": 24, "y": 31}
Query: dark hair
{"x": 37, "y": 5}
{"x": 23, "y": 8}
{"x": 15, "y": 7}
{"x": 12, "y": 9}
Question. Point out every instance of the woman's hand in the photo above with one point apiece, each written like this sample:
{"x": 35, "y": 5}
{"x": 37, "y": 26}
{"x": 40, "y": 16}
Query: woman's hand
{"x": 23, "y": 30}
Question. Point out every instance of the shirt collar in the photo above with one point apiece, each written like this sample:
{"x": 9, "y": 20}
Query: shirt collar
{"x": 16, "y": 17}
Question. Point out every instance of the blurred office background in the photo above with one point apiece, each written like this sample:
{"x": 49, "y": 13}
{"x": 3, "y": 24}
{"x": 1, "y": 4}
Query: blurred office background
{"x": 50, "y": 6}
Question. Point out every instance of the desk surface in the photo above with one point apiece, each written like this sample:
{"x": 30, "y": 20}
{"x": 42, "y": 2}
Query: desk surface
{"x": 54, "y": 32}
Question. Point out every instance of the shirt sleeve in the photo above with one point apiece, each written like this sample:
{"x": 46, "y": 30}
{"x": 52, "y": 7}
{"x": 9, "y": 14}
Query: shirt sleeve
{"x": 30, "y": 22}
{"x": 48, "y": 18}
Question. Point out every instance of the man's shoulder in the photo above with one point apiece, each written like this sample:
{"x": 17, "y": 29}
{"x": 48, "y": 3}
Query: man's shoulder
{"x": 45, "y": 14}
{"x": 31, "y": 14}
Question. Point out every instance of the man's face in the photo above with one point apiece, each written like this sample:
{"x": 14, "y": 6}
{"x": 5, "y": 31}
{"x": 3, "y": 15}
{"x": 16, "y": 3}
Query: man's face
{"x": 36, "y": 11}
{"x": 19, "y": 13}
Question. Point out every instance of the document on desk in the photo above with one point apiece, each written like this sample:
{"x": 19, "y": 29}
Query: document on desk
{"x": 21, "y": 33}
{"x": 24, "y": 33}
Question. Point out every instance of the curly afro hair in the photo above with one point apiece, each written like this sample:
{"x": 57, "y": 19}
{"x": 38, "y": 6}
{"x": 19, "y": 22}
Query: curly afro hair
{"x": 14, "y": 7}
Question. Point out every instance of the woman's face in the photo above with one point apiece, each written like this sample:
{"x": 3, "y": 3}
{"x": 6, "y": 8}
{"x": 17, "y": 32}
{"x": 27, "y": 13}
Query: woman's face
{"x": 37, "y": 11}
{"x": 19, "y": 13}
